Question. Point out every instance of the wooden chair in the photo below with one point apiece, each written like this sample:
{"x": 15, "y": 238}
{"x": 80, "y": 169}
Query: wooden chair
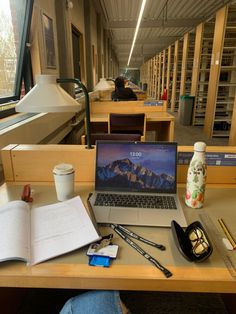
{"x": 110, "y": 137}
{"x": 127, "y": 123}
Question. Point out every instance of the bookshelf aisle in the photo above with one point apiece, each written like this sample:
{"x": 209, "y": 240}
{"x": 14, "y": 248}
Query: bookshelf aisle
{"x": 178, "y": 51}
{"x": 201, "y": 90}
{"x": 221, "y": 97}
{"x": 227, "y": 79}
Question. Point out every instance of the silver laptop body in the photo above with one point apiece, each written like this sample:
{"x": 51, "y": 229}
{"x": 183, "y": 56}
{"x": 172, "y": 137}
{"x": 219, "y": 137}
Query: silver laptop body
{"x": 143, "y": 171}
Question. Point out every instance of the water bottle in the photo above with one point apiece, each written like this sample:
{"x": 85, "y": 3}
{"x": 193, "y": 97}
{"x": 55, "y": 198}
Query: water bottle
{"x": 196, "y": 177}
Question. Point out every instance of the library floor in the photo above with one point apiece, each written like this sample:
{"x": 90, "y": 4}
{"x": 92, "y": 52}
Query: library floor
{"x": 188, "y": 135}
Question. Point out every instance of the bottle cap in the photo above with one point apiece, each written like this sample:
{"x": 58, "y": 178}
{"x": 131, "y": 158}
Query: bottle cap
{"x": 63, "y": 169}
{"x": 200, "y": 147}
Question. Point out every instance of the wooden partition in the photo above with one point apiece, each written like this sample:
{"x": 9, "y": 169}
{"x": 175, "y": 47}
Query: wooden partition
{"x": 105, "y": 95}
{"x": 34, "y": 163}
{"x": 159, "y": 121}
{"x": 127, "y": 106}
{"x": 141, "y": 95}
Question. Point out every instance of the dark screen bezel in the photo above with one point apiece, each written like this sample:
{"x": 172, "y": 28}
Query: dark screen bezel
{"x": 120, "y": 189}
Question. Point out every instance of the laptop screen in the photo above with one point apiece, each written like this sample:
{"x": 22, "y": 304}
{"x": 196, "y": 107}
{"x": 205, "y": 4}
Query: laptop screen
{"x": 136, "y": 166}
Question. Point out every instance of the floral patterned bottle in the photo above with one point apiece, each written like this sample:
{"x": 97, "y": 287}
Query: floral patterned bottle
{"x": 196, "y": 177}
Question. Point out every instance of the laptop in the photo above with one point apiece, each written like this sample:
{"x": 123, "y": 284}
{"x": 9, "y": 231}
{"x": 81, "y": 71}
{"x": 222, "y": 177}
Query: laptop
{"x": 135, "y": 184}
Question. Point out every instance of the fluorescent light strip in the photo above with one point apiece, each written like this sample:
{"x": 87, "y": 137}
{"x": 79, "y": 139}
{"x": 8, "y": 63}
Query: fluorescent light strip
{"x": 136, "y": 30}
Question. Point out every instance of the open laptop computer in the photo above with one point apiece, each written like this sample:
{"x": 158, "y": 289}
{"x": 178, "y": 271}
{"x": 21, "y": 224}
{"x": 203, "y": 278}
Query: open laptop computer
{"x": 135, "y": 184}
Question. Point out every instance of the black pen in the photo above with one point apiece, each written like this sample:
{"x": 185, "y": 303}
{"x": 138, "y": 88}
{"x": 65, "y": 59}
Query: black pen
{"x": 137, "y": 237}
{"x": 166, "y": 272}
{"x": 91, "y": 214}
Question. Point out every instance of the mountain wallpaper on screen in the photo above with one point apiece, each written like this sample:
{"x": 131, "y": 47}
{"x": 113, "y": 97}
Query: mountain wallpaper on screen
{"x": 125, "y": 174}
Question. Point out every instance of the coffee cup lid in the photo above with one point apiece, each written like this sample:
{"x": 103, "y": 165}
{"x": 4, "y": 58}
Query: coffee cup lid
{"x": 63, "y": 169}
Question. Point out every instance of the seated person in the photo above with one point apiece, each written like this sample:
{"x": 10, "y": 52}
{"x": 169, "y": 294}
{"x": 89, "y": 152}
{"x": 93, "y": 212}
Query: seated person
{"x": 95, "y": 302}
{"x": 121, "y": 92}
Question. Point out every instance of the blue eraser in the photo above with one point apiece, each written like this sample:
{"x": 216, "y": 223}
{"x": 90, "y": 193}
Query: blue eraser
{"x": 99, "y": 261}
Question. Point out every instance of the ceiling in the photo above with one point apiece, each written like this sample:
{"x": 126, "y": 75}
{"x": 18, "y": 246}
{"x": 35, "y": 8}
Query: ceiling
{"x": 163, "y": 22}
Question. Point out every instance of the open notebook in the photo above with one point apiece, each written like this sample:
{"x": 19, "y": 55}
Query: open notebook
{"x": 135, "y": 184}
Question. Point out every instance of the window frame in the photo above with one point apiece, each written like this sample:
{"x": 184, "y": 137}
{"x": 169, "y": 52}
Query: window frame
{"x": 23, "y": 61}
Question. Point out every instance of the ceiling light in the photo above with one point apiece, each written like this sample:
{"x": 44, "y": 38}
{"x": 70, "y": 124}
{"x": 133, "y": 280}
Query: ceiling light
{"x": 136, "y": 30}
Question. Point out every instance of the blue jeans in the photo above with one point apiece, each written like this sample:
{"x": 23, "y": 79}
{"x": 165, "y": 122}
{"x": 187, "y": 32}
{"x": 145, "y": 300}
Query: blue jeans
{"x": 94, "y": 302}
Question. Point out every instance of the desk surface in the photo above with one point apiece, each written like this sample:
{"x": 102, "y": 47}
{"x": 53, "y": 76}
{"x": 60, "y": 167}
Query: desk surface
{"x": 130, "y": 271}
{"x": 161, "y": 122}
{"x": 150, "y": 117}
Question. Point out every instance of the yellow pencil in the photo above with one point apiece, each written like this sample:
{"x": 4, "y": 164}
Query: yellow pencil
{"x": 227, "y": 233}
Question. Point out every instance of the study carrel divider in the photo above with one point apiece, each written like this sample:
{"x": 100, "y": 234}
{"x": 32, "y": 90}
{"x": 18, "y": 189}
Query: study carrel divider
{"x": 138, "y": 106}
{"x": 34, "y": 163}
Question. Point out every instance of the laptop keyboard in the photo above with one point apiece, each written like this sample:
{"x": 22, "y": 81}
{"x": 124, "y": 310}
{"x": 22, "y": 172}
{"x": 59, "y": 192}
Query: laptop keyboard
{"x": 134, "y": 200}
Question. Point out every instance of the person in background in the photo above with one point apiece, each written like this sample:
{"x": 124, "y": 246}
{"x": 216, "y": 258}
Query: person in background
{"x": 95, "y": 302}
{"x": 121, "y": 92}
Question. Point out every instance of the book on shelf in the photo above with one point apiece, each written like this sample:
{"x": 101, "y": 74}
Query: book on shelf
{"x": 38, "y": 234}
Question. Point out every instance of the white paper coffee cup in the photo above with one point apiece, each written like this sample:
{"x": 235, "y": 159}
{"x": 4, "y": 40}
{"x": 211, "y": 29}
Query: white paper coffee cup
{"x": 64, "y": 181}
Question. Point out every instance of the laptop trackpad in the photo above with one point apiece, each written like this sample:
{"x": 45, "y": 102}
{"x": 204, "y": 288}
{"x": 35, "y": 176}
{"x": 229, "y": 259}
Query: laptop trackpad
{"x": 124, "y": 215}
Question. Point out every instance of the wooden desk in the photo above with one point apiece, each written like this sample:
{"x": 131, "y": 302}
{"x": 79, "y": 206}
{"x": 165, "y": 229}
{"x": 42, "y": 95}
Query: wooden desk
{"x": 129, "y": 271}
{"x": 24, "y": 163}
{"x": 162, "y": 123}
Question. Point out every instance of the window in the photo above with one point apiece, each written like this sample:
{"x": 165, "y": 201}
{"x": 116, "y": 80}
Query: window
{"x": 15, "y": 17}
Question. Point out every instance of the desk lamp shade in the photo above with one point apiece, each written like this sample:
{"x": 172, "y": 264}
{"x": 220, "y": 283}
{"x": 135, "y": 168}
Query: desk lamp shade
{"x": 47, "y": 96}
{"x": 103, "y": 84}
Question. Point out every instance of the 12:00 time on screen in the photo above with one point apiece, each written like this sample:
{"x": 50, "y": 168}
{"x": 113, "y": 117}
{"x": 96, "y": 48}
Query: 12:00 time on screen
{"x": 135, "y": 154}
